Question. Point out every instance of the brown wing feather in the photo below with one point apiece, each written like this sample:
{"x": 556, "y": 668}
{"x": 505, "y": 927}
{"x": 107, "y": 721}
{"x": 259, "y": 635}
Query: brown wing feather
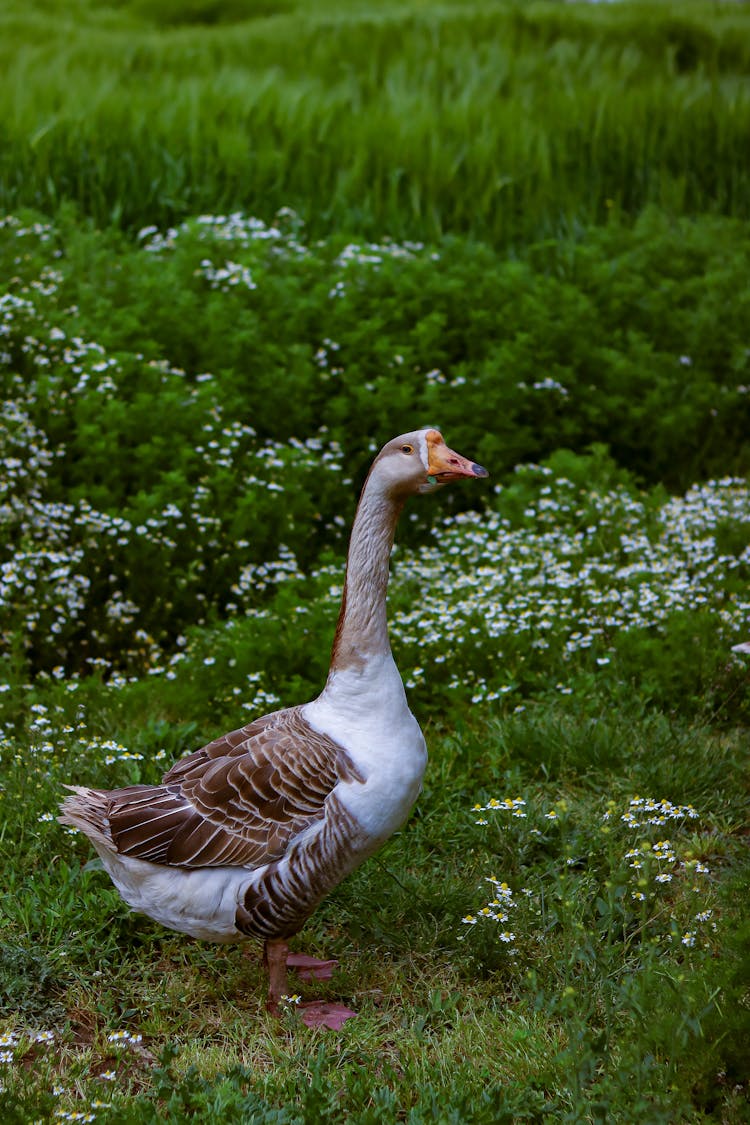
{"x": 239, "y": 800}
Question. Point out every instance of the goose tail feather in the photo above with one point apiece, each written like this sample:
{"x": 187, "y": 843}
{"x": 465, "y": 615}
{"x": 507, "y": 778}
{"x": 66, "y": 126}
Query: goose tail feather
{"x": 87, "y": 810}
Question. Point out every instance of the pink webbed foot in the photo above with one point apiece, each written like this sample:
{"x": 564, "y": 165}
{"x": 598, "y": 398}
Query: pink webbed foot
{"x": 318, "y": 1013}
{"x": 321, "y": 1013}
{"x": 311, "y": 968}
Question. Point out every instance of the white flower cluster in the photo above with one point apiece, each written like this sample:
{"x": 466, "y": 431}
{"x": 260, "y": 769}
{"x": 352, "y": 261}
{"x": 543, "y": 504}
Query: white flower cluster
{"x": 65, "y": 565}
{"x": 496, "y": 910}
{"x": 646, "y": 810}
{"x": 375, "y": 253}
{"x": 226, "y": 277}
{"x": 124, "y": 1038}
{"x": 255, "y": 577}
{"x": 585, "y": 566}
{"x": 513, "y": 805}
{"x": 278, "y": 240}
{"x": 41, "y": 232}
{"x": 237, "y": 228}
{"x": 643, "y": 869}
{"x": 10, "y": 1040}
{"x": 545, "y": 384}
{"x": 114, "y": 752}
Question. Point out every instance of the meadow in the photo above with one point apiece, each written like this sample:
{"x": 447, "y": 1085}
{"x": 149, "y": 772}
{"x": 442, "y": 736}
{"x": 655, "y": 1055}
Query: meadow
{"x": 505, "y": 121}
{"x": 243, "y": 244}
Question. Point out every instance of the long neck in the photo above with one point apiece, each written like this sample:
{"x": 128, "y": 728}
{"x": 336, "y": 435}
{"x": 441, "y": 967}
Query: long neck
{"x": 362, "y": 629}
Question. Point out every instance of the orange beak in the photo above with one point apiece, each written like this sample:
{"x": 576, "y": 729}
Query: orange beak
{"x": 445, "y": 465}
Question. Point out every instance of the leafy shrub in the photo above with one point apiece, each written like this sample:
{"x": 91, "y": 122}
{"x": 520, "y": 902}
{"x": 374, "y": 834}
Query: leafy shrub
{"x": 632, "y": 339}
{"x": 144, "y": 495}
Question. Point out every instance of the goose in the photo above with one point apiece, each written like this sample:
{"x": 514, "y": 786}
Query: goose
{"x": 245, "y": 837}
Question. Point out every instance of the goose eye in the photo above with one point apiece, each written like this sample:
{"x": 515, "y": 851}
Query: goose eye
{"x": 407, "y": 448}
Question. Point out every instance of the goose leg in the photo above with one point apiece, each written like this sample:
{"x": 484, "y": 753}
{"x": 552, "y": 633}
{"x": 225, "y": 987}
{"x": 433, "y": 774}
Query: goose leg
{"x": 274, "y": 957}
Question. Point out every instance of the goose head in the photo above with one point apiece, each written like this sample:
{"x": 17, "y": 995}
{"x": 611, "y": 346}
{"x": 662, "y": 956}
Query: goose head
{"x": 419, "y": 462}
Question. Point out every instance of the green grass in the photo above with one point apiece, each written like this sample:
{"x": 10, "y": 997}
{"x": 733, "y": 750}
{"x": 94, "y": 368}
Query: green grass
{"x": 378, "y": 118}
{"x": 591, "y": 1014}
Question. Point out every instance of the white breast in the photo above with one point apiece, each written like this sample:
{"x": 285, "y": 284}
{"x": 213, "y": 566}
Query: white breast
{"x": 366, "y": 712}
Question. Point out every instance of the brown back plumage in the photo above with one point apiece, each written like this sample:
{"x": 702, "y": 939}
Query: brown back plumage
{"x": 240, "y": 800}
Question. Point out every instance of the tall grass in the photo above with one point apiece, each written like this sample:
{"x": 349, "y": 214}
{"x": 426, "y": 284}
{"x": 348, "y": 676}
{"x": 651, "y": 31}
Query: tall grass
{"x": 501, "y": 120}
